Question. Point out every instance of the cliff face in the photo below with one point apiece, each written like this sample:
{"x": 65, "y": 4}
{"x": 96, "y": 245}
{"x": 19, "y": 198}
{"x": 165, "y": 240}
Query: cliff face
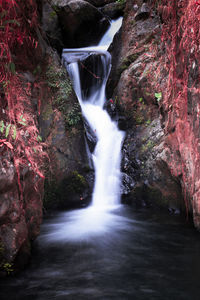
{"x": 156, "y": 91}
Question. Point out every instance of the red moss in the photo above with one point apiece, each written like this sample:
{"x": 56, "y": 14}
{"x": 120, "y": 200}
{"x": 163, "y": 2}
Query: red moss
{"x": 18, "y": 20}
{"x": 181, "y": 58}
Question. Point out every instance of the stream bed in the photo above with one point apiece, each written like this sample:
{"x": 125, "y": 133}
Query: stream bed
{"x": 132, "y": 254}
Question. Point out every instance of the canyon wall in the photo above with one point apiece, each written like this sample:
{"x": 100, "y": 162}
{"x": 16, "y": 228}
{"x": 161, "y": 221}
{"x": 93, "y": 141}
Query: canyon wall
{"x": 156, "y": 92}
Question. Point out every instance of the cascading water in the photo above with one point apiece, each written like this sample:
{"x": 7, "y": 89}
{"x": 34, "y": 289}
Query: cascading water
{"x": 89, "y": 83}
{"x": 107, "y": 154}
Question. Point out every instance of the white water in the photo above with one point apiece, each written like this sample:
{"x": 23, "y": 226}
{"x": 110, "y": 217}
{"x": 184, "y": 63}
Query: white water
{"x": 107, "y": 154}
{"x": 108, "y": 36}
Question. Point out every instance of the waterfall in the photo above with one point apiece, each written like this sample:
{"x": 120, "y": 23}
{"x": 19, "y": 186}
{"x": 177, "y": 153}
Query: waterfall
{"x": 89, "y": 69}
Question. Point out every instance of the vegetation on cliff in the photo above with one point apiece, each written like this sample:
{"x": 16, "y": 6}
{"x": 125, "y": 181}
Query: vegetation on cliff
{"x": 19, "y": 132}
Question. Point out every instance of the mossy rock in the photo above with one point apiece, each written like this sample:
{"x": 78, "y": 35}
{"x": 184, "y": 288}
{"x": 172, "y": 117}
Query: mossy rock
{"x": 67, "y": 193}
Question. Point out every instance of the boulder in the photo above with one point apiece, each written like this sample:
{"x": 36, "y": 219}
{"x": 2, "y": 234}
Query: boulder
{"x": 113, "y": 10}
{"x": 81, "y": 23}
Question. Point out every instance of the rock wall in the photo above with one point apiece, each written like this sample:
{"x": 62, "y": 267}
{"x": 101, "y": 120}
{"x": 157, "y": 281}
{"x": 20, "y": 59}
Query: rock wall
{"x": 67, "y": 179}
{"x": 161, "y": 152}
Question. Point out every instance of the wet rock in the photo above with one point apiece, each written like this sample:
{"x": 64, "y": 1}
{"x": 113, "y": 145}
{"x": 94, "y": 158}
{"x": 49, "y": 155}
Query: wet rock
{"x": 90, "y": 135}
{"x": 82, "y": 24}
{"x": 127, "y": 184}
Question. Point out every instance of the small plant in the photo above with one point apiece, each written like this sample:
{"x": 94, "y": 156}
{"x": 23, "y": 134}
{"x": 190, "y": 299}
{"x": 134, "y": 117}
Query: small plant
{"x": 158, "y": 96}
{"x": 8, "y": 128}
{"x": 8, "y": 268}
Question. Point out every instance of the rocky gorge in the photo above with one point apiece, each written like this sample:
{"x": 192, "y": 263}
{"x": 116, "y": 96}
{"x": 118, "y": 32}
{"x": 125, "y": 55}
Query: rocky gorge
{"x": 160, "y": 156}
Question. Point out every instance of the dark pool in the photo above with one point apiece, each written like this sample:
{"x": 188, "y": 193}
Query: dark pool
{"x": 121, "y": 254}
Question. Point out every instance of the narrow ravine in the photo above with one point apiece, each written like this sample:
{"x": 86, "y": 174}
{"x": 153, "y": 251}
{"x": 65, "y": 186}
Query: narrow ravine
{"x": 107, "y": 251}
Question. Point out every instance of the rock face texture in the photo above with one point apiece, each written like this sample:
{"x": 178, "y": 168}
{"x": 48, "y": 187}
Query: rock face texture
{"x": 61, "y": 127}
{"x": 20, "y": 219}
{"x": 161, "y": 151}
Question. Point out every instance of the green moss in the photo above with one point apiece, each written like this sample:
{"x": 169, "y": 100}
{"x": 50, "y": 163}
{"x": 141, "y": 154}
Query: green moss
{"x": 78, "y": 182}
{"x": 139, "y": 120}
{"x": 58, "y": 81}
{"x": 127, "y": 61}
{"x": 73, "y": 117}
{"x": 148, "y": 146}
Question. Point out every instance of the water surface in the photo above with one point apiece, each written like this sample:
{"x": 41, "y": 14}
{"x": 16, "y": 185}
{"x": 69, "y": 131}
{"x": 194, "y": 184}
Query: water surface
{"x": 132, "y": 255}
